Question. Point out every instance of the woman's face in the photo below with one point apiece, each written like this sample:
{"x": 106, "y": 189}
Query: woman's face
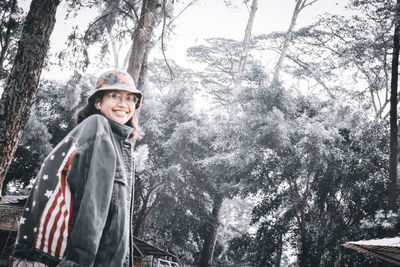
{"x": 118, "y": 105}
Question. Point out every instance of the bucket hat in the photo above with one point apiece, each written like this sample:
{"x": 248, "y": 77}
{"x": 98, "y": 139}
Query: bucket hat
{"x": 116, "y": 80}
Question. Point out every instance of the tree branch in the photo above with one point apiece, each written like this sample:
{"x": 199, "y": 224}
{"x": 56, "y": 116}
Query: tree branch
{"x": 92, "y": 24}
{"x": 245, "y": 46}
{"x": 114, "y": 48}
{"x": 183, "y": 10}
{"x": 306, "y": 67}
{"x": 132, "y": 8}
{"x": 162, "y": 41}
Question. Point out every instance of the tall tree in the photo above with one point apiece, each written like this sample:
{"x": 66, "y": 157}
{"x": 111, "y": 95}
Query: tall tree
{"x": 21, "y": 85}
{"x": 300, "y": 4}
{"x": 207, "y": 252}
{"x": 392, "y": 188}
{"x": 245, "y": 44}
{"x": 141, "y": 41}
{"x": 220, "y": 57}
{"x": 124, "y": 22}
{"x": 170, "y": 199}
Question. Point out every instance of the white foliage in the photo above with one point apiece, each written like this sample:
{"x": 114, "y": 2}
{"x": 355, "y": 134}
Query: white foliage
{"x": 141, "y": 156}
{"x": 382, "y": 219}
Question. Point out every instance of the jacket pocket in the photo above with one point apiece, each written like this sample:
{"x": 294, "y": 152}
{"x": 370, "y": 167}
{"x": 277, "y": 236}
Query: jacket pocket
{"x": 120, "y": 187}
{"x": 113, "y": 235}
{"x": 114, "y": 232}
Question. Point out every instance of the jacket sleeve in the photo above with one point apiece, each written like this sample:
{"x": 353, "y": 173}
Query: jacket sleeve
{"x": 92, "y": 179}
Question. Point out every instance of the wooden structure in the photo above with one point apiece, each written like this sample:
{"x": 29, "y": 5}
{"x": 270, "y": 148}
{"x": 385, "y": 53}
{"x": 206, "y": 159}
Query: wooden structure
{"x": 387, "y": 249}
{"x": 147, "y": 255}
{"x": 11, "y": 207}
{"x": 10, "y": 211}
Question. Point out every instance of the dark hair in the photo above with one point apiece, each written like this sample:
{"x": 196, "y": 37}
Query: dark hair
{"x": 90, "y": 109}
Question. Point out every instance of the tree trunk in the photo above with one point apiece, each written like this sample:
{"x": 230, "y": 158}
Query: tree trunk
{"x": 304, "y": 260}
{"x": 143, "y": 71}
{"x": 303, "y": 255}
{"x": 279, "y": 249}
{"x": 142, "y": 214}
{"x": 392, "y": 188}
{"x": 300, "y": 4}
{"x": 114, "y": 47}
{"x": 207, "y": 253}
{"x": 245, "y": 44}
{"x": 21, "y": 85}
{"x": 141, "y": 39}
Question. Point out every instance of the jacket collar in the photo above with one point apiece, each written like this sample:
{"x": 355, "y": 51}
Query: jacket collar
{"x": 121, "y": 131}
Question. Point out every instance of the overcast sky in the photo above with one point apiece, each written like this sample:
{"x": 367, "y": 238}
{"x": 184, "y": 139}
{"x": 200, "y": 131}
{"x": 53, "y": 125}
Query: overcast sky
{"x": 212, "y": 18}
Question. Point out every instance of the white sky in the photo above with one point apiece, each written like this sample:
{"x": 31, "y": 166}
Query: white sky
{"x": 211, "y": 18}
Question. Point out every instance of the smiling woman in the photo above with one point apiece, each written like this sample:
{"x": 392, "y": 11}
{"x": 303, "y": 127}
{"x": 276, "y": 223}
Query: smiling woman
{"x": 79, "y": 211}
{"x": 116, "y": 97}
{"x": 119, "y": 97}
{"x": 118, "y": 105}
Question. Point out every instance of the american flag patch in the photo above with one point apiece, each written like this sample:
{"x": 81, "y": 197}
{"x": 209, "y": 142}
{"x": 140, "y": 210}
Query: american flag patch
{"x": 56, "y": 218}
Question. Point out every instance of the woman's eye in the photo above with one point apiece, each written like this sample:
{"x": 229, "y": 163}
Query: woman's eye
{"x": 115, "y": 95}
{"x": 132, "y": 98}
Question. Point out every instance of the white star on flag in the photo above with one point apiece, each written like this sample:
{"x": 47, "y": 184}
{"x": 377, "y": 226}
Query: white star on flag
{"x": 22, "y": 221}
{"x": 33, "y": 203}
{"x": 45, "y": 177}
{"x": 34, "y": 230}
{"x": 63, "y": 154}
{"x": 48, "y": 193}
{"x": 51, "y": 157}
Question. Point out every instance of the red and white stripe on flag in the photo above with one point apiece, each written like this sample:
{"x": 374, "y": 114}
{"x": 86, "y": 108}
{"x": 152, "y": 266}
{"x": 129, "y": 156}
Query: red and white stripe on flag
{"x": 55, "y": 221}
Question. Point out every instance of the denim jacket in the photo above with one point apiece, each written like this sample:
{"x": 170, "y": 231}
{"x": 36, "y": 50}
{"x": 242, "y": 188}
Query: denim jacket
{"x": 79, "y": 211}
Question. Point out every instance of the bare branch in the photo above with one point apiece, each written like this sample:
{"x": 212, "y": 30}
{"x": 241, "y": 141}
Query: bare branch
{"x": 128, "y": 55}
{"x": 117, "y": 7}
{"x": 245, "y": 45}
{"x": 92, "y": 24}
{"x": 388, "y": 113}
{"x": 308, "y": 4}
{"x": 183, "y": 10}
{"x": 307, "y": 68}
{"x": 379, "y": 112}
{"x": 288, "y": 37}
{"x": 162, "y": 40}
{"x": 114, "y": 48}
{"x": 132, "y": 8}
{"x": 300, "y": 4}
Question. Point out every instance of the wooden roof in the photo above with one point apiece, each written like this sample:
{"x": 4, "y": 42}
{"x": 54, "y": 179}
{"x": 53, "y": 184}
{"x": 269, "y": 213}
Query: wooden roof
{"x": 143, "y": 249}
{"x": 387, "y": 248}
{"x": 13, "y": 200}
{"x": 10, "y": 212}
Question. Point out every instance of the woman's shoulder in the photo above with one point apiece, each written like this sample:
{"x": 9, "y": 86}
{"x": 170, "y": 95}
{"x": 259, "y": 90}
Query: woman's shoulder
{"x": 93, "y": 126}
{"x": 96, "y": 120}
